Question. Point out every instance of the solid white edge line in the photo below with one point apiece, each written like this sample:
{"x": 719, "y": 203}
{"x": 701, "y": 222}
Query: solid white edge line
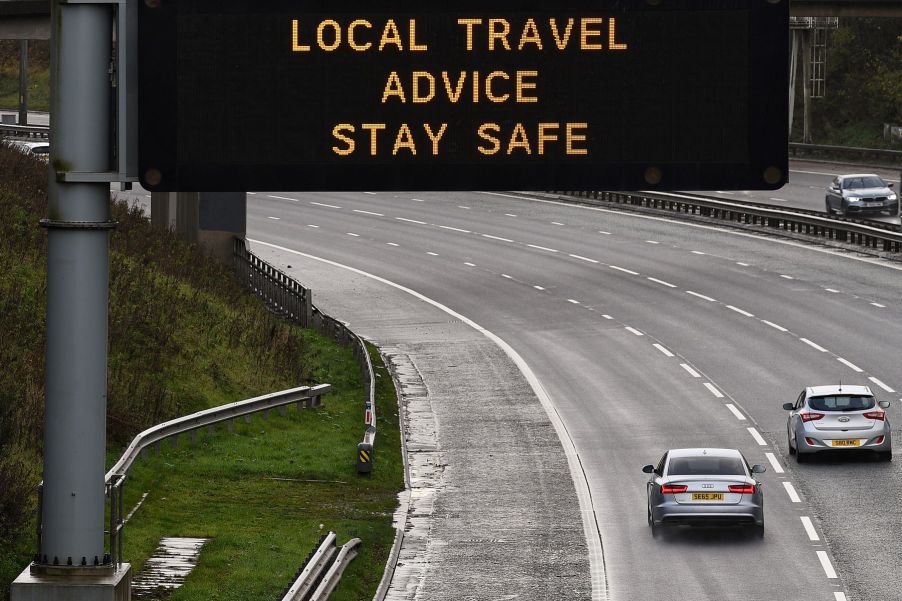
{"x": 880, "y": 384}
{"x": 702, "y": 296}
{"x": 663, "y": 349}
{"x": 813, "y": 345}
{"x": 691, "y": 371}
{"x": 713, "y": 390}
{"x": 740, "y": 311}
{"x": 791, "y": 491}
{"x": 849, "y": 364}
{"x": 634, "y": 331}
{"x": 774, "y": 326}
{"x": 809, "y": 528}
{"x": 775, "y": 463}
{"x": 580, "y": 481}
{"x": 825, "y": 563}
{"x": 839, "y": 596}
{"x": 662, "y": 282}
{"x": 757, "y": 436}
{"x": 735, "y": 411}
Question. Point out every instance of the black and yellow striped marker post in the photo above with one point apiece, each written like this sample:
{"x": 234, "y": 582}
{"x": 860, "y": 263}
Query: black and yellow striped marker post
{"x": 364, "y": 458}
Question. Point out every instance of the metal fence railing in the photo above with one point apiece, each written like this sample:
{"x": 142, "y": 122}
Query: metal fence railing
{"x": 873, "y": 235}
{"x": 39, "y": 132}
{"x": 822, "y": 151}
{"x": 287, "y": 297}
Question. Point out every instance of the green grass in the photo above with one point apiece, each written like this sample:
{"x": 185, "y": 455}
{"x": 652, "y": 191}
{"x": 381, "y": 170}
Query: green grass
{"x": 38, "y": 89}
{"x": 225, "y": 486}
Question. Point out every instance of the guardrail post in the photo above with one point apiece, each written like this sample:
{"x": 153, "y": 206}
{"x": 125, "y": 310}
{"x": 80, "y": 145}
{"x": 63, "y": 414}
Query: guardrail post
{"x": 364, "y": 458}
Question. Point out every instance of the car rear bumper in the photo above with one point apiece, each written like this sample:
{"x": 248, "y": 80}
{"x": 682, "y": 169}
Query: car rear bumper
{"x": 748, "y": 511}
{"x": 817, "y": 441}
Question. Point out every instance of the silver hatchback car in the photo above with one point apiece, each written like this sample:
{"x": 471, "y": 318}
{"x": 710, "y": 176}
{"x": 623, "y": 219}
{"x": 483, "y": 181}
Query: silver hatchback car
{"x": 838, "y": 417}
{"x": 704, "y": 487}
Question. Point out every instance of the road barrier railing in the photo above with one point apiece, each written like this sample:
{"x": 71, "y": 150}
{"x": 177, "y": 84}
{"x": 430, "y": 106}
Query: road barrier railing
{"x": 823, "y": 151}
{"x": 873, "y": 235}
{"x": 302, "y": 397}
{"x": 40, "y": 132}
{"x": 287, "y": 297}
{"x": 322, "y": 570}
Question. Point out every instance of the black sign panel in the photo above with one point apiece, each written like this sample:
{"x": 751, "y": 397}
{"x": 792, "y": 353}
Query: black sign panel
{"x": 329, "y": 95}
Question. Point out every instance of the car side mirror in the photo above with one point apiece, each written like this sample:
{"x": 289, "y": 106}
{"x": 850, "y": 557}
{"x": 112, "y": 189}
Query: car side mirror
{"x": 759, "y": 469}
{"x": 788, "y": 406}
{"x": 884, "y": 404}
{"x": 648, "y": 469}
{"x": 890, "y": 184}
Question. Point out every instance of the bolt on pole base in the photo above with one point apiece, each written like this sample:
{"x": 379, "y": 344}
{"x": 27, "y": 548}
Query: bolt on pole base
{"x": 63, "y": 583}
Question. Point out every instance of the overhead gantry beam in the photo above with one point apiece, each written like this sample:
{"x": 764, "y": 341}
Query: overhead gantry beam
{"x": 845, "y": 8}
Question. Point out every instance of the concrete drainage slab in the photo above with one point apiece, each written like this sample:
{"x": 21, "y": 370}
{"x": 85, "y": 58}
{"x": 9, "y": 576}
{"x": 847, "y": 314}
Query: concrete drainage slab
{"x": 167, "y": 568}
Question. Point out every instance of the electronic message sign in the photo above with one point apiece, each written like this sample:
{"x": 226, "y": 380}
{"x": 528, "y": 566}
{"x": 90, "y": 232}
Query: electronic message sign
{"x": 395, "y": 95}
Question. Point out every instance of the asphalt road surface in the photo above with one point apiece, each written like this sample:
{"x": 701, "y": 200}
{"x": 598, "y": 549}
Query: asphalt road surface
{"x": 646, "y": 334}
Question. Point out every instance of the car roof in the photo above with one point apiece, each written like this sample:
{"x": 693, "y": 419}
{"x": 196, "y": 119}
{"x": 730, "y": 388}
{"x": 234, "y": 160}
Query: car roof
{"x": 838, "y": 389}
{"x": 704, "y": 451}
{"x": 859, "y": 175}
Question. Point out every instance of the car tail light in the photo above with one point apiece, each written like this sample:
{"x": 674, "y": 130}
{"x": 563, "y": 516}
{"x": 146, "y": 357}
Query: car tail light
{"x": 743, "y": 489}
{"x": 673, "y": 488}
{"x": 879, "y": 440}
{"x": 810, "y": 441}
{"x": 881, "y": 415}
{"x": 809, "y": 416}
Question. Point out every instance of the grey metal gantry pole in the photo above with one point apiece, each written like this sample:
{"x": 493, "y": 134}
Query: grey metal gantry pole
{"x": 78, "y": 227}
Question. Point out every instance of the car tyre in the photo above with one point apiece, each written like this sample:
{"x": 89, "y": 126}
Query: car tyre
{"x": 828, "y": 209}
{"x": 885, "y": 456}
{"x": 800, "y": 456}
{"x": 759, "y": 530}
{"x": 843, "y": 209}
{"x": 792, "y": 449}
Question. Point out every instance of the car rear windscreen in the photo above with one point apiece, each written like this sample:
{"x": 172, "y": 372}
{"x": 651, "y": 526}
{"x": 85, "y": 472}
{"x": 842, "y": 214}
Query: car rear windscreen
{"x": 706, "y": 466}
{"x": 845, "y": 402}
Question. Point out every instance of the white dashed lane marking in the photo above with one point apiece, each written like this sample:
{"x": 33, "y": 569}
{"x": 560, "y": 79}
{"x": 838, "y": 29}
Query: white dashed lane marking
{"x": 788, "y": 277}
{"x": 713, "y": 390}
{"x": 605, "y": 233}
{"x": 757, "y": 437}
{"x": 509, "y": 215}
{"x": 536, "y": 246}
{"x": 454, "y": 229}
{"x": 742, "y": 264}
{"x": 774, "y": 463}
{"x": 849, "y": 364}
{"x": 432, "y": 253}
{"x": 274, "y": 218}
{"x": 652, "y": 242}
{"x": 838, "y": 596}
{"x": 470, "y": 264}
{"x": 825, "y": 563}
{"x": 774, "y": 326}
{"x": 881, "y": 384}
{"x": 417, "y": 200}
{"x": 698, "y": 252}
{"x": 701, "y": 296}
{"x": 813, "y": 345}
{"x": 370, "y": 193}
{"x": 570, "y": 300}
{"x": 538, "y": 287}
{"x": 879, "y": 305}
{"x": 463, "y": 207}
{"x": 391, "y": 244}
{"x": 624, "y": 270}
{"x": 735, "y": 411}
{"x": 663, "y": 349}
{"x": 313, "y": 226}
{"x": 634, "y": 331}
{"x": 662, "y": 282}
{"x": 809, "y": 528}
{"x": 581, "y": 258}
{"x": 353, "y": 234}
{"x": 496, "y": 238}
{"x": 368, "y": 213}
{"x": 740, "y": 311}
{"x": 606, "y": 316}
{"x": 323, "y": 204}
{"x": 791, "y": 491}
{"x": 410, "y": 220}
{"x": 691, "y": 371}
{"x": 556, "y": 223}
{"x": 282, "y": 198}
{"x": 504, "y": 275}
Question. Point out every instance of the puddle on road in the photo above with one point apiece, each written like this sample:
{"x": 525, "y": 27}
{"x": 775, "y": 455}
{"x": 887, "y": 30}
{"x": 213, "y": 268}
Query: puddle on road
{"x": 167, "y": 568}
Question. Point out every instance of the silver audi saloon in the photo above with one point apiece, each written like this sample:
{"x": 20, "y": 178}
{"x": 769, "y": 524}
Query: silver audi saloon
{"x": 840, "y": 418}
{"x": 704, "y": 487}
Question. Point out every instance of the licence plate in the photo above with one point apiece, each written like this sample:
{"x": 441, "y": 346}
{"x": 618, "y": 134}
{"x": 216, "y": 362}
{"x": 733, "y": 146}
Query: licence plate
{"x": 707, "y": 496}
{"x": 845, "y": 443}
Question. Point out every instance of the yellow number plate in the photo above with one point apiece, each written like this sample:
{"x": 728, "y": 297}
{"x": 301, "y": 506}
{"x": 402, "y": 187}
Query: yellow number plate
{"x": 707, "y": 496}
{"x": 846, "y": 443}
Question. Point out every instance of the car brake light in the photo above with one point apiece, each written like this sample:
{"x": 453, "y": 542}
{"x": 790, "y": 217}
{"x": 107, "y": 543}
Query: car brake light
{"x": 673, "y": 488}
{"x": 743, "y": 489}
{"x": 879, "y": 440}
{"x": 881, "y": 415}
{"x": 809, "y": 416}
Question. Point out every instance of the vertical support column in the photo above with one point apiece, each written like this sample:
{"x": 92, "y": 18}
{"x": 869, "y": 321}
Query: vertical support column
{"x": 793, "y": 70}
{"x": 806, "y": 83}
{"x": 23, "y": 82}
{"x": 77, "y": 288}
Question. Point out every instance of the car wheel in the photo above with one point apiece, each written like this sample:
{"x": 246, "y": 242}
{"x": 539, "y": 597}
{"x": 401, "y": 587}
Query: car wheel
{"x": 759, "y": 530}
{"x": 843, "y": 209}
{"x": 792, "y": 449}
{"x": 800, "y": 456}
{"x": 885, "y": 456}
{"x": 828, "y": 210}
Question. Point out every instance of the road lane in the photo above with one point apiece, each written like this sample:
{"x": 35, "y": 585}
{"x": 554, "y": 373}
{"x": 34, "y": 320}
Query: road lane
{"x": 530, "y": 267}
